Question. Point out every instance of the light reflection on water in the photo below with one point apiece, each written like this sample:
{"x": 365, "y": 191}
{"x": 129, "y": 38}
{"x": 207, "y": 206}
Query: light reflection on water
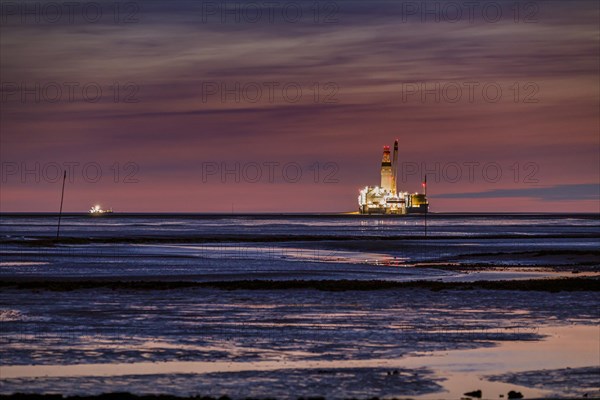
{"x": 279, "y": 331}
{"x": 336, "y": 225}
{"x": 227, "y": 261}
{"x": 296, "y": 247}
{"x": 462, "y": 370}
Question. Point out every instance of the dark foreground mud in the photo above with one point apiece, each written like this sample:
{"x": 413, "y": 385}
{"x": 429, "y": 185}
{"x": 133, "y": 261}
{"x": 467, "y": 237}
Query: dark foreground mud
{"x": 543, "y": 285}
{"x": 579, "y": 382}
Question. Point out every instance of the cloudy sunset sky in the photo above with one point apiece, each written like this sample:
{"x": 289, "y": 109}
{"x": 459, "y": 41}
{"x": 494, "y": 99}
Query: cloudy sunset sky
{"x": 497, "y": 102}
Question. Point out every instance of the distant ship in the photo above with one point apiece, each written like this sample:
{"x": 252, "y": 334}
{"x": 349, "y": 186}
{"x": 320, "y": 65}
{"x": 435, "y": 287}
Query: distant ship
{"x": 97, "y": 210}
{"x": 385, "y": 199}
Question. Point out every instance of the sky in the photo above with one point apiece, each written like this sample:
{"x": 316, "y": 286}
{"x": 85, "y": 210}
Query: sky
{"x": 284, "y": 106}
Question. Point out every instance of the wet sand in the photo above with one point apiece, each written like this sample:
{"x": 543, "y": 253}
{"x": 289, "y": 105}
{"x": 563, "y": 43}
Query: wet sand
{"x": 291, "y": 306}
{"x": 313, "y": 341}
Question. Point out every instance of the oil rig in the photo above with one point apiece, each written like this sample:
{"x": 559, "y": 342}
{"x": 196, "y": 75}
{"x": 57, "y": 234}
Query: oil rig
{"x": 385, "y": 198}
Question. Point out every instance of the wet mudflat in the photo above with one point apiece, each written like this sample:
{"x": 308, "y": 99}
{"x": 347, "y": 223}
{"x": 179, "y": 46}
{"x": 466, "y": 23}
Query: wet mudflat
{"x": 262, "y": 342}
{"x": 292, "y": 306}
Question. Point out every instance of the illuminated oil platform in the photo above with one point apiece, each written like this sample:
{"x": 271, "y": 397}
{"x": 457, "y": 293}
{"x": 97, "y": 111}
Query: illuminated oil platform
{"x": 385, "y": 198}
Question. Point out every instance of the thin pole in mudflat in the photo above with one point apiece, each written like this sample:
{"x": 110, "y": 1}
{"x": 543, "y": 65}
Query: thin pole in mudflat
{"x": 62, "y": 196}
{"x": 426, "y": 211}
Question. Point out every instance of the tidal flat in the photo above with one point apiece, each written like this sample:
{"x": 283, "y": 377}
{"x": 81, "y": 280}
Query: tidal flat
{"x": 301, "y": 306}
